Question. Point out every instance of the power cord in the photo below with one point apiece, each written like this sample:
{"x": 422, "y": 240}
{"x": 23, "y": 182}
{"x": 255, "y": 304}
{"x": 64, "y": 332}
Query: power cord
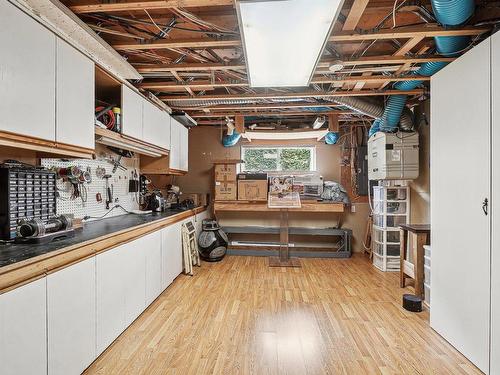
{"x": 106, "y": 214}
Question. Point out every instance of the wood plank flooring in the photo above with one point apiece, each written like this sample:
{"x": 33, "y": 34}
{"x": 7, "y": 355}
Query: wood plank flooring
{"x": 332, "y": 316}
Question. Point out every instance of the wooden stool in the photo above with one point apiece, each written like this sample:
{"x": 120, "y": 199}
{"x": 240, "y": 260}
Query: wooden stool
{"x": 416, "y": 270}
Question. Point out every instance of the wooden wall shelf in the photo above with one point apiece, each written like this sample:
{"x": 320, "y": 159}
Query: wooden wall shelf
{"x": 249, "y": 206}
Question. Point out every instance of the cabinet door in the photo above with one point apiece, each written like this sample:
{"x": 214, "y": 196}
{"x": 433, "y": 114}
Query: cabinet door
{"x": 460, "y": 121}
{"x": 164, "y": 130}
{"x": 132, "y": 113}
{"x": 71, "y": 303}
{"x": 23, "y": 335}
{"x": 152, "y": 246}
{"x": 495, "y": 208}
{"x": 110, "y": 296}
{"x": 175, "y": 144}
{"x": 150, "y": 121}
{"x": 134, "y": 279}
{"x": 75, "y": 95}
{"x": 28, "y": 75}
{"x": 184, "y": 141}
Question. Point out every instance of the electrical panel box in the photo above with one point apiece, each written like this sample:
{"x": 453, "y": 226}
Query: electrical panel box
{"x": 362, "y": 170}
{"x": 393, "y": 156}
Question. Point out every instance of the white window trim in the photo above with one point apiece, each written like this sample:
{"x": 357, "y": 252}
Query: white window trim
{"x": 279, "y": 148}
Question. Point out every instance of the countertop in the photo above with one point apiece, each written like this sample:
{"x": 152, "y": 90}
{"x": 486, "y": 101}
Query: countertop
{"x": 13, "y": 253}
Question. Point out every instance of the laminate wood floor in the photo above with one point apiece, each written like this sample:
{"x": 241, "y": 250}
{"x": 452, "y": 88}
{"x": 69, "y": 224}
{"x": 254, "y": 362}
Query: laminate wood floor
{"x": 331, "y": 316}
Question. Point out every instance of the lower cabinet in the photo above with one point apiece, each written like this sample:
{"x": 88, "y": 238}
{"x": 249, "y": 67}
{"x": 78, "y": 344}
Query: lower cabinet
{"x": 23, "y": 331}
{"x": 71, "y": 314}
{"x": 110, "y": 296}
{"x": 171, "y": 254}
{"x": 152, "y": 247}
{"x": 61, "y": 323}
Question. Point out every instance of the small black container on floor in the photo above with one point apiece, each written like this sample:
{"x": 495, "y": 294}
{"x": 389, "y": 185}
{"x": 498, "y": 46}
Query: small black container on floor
{"x": 412, "y": 303}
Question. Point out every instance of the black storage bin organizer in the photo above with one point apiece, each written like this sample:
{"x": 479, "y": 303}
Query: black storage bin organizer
{"x": 25, "y": 193}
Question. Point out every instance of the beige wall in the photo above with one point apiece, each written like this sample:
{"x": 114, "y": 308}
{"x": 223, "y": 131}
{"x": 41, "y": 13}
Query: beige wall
{"x": 420, "y": 188}
{"x": 205, "y": 146}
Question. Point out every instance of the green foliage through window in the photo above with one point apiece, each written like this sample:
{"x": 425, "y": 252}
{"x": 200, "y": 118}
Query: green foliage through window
{"x": 278, "y": 159}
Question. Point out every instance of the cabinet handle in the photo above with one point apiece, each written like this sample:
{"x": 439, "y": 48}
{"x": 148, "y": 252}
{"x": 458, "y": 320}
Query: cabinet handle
{"x": 485, "y": 206}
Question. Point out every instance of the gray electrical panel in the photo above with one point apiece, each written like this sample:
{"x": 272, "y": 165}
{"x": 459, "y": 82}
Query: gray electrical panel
{"x": 362, "y": 170}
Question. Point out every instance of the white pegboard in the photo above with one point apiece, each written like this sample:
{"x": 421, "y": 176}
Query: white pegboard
{"x": 119, "y": 180}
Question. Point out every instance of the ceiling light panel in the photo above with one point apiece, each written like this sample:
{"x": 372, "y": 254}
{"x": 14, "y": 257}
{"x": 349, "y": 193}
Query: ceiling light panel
{"x": 284, "y": 39}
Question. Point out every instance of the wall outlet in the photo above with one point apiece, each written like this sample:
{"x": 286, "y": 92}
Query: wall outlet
{"x": 353, "y": 208}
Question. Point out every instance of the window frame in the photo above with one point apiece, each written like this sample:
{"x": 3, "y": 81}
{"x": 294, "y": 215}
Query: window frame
{"x": 313, "y": 158}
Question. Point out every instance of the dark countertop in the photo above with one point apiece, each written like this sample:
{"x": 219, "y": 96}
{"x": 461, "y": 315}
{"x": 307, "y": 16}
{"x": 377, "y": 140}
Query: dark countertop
{"x": 13, "y": 253}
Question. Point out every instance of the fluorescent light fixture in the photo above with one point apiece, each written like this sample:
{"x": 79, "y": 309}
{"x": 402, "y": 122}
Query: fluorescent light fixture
{"x": 319, "y": 122}
{"x": 284, "y": 39}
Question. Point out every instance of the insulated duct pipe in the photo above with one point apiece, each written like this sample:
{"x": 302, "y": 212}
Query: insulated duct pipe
{"x": 448, "y": 13}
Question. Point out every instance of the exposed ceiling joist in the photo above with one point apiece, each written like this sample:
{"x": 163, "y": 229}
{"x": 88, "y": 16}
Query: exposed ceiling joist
{"x": 371, "y": 60}
{"x": 406, "y": 32}
{"x": 149, "y": 5}
{"x": 355, "y": 13}
{"x": 179, "y": 43}
{"x": 294, "y": 95}
{"x": 343, "y": 36}
{"x": 188, "y": 67}
{"x": 200, "y": 85}
{"x": 407, "y": 47}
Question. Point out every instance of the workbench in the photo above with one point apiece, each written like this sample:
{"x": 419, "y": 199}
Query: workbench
{"x": 284, "y": 229}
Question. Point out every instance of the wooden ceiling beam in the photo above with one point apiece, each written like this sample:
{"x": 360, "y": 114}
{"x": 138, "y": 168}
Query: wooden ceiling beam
{"x": 407, "y": 47}
{"x": 179, "y": 43}
{"x": 406, "y": 32}
{"x": 200, "y": 85}
{"x": 370, "y": 60}
{"x": 343, "y": 36}
{"x": 188, "y": 67}
{"x": 149, "y": 5}
{"x": 355, "y": 13}
{"x": 293, "y": 95}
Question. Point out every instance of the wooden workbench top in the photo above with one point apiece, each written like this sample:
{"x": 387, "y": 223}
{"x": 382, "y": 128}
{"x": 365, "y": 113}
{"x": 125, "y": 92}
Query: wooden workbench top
{"x": 261, "y": 206}
{"x": 83, "y": 246}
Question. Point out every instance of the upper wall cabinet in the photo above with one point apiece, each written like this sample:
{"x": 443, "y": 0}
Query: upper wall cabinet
{"x": 156, "y": 126}
{"x": 75, "y": 97}
{"x": 132, "y": 113}
{"x": 184, "y": 141}
{"x": 28, "y": 75}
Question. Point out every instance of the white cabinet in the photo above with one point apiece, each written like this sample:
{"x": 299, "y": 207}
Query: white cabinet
{"x": 110, "y": 296}
{"x": 175, "y": 144}
{"x": 179, "y": 145}
{"x": 27, "y": 75}
{"x": 460, "y": 278}
{"x": 156, "y": 126}
{"x": 171, "y": 254}
{"x": 184, "y": 152}
{"x": 71, "y": 314}
{"x": 153, "y": 247}
{"x": 134, "y": 279}
{"x": 132, "y": 113}
{"x": 23, "y": 334}
{"x": 75, "y": 97}
{"x": 495, "y": 207}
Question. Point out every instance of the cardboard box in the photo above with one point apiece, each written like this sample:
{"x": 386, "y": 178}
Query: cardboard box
{"x": 225, "y": 191}
{"x": 225, "y": 172}
{"x": 252, "y": 190}
{"x": 199, "y": 199}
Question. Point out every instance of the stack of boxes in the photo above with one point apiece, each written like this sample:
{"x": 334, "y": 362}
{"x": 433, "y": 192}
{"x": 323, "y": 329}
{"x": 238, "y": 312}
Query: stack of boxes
{"x": 225, "y": 180}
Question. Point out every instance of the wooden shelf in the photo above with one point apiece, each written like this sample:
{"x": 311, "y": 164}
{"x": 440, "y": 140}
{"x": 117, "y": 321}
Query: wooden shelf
{"x": 249, "y": 206}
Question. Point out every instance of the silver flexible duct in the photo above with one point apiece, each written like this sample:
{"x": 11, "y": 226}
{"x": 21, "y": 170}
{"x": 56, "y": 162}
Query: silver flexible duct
{"x": 208, "y": 103}
{"x": 373, "y": 109}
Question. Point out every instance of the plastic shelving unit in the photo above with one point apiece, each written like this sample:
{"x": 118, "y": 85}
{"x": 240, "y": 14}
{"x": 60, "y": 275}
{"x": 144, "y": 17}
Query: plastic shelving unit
{"x": 391, "y": 208}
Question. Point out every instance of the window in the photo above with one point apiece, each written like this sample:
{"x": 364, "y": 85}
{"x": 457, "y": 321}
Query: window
{"x": 269, "y": 159}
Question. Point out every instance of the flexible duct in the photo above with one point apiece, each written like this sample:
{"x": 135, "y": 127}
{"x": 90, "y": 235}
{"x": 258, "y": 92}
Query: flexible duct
{"x": 231, "y": 140}
{"x": 448, "y": 13}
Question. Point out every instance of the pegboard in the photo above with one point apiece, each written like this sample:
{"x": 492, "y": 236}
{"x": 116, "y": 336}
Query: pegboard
{"x": 119, "y": 181}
